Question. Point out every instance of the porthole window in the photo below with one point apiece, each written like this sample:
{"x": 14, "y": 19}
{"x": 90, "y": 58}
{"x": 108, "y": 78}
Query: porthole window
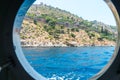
{"x": 65, "y": 40}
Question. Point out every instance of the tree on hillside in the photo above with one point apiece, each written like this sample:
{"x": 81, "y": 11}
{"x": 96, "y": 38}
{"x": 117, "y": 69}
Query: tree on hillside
{"x": 73, "y": 29}
{"x": 48, "y": 19}
{"x": 44, "y": 15}
{"x": 68, "y": 30}
{"x": 106, "y": 32}
{"x": 62, "y": 27}
{"x": 77, "y": 29}
{"x": 52, "y": 24}
{"x": 102, "y": 29}
{"x": 35, "y": 22}
{"x": 73, "y": 35}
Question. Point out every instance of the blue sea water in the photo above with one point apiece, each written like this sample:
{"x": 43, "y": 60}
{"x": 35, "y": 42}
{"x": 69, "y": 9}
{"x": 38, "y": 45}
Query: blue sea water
{"x": 68, "y": 63}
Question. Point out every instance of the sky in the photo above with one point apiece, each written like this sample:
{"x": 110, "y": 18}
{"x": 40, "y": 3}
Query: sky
{"x": 87, "y": 9}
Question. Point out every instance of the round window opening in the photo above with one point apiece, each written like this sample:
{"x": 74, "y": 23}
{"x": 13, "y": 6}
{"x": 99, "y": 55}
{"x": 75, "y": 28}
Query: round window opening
{"x": 65, "y": 40}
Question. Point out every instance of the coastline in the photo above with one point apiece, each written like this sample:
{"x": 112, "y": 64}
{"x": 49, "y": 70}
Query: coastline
{"x": 24, "y": 46}
{"x": 37, "y": 44}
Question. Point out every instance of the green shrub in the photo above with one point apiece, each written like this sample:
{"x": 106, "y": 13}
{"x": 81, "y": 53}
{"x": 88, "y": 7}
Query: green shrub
{"x": 35, "y": 22}
{"x": 73, "y": 35}
{"x": 73, "y": 29}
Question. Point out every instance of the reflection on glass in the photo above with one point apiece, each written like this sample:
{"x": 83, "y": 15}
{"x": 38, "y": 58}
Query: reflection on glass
{"x": 65, "y": 42}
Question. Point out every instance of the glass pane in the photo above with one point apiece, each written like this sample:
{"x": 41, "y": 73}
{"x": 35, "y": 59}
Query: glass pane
{"x": 68, "y": 40}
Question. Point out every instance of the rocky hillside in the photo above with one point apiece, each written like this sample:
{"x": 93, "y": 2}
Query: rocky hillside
{"x": 48, "y": 26}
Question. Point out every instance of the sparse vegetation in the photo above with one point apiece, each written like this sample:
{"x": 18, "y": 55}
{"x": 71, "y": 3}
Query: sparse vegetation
{"x": 47, "y": 23}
